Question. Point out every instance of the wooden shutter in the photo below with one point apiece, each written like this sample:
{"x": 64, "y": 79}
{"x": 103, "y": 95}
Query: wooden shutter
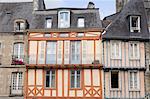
{"x": 66, "y": 51}
{"x": 32, "y": 52}
{"x": 59, "y": 52}
{"x": 84, "y": 47}
{"x": 41, "y": 52}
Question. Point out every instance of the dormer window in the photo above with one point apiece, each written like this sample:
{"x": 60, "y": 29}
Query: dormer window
{"x": 80, "y": 22}
{"x": 20, "y": 25}
{"x": 135, "y": 24}
{"x": 63, "y": 19}
{"x": 48, "y": 23}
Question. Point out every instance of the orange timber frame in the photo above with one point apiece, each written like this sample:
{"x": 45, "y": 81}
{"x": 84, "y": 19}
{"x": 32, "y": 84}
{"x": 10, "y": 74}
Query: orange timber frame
{"x": 63, "y": 67}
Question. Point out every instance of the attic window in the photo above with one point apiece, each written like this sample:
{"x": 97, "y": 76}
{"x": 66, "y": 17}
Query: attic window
{"x": 135, "y": 23}
{"x": 20, "y": 25}
{"x": 64, "y": 19}
{"x": 48, "y": 22}
{"x": 80, "y": 22}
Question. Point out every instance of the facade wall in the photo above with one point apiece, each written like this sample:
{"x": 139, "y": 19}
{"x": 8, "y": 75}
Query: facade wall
{"x": 90, "y": 84}
{"x": 124, "y": 61}
{"x": 124, "y": 66}
{"x": 124, "y": 90}
{"x": 7, "y": 41}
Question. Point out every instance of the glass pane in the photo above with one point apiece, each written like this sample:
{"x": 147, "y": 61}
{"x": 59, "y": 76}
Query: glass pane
{"x": 78, "y": 79}
{"x": 134, "y": 21}
{"x": 114, "y": 80}
{"x": 51, "y": 53}
{"x": 131, "y": 80}
{"x": 48, "y": 23}
{"x": 47, "y": 81}
{"x": 72, "y": 81}
{"x": 53, "y": 81}
{"x": 135, "y": 80}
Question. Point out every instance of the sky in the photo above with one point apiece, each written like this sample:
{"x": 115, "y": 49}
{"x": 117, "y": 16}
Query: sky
{"x": 106, "y": 7}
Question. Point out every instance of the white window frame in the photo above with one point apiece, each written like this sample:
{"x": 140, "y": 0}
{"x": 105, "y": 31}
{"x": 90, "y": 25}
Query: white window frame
{"x": 138, "y": 80}
{"x": 47, "y": 23}
{"x": 76, "y": 49}
{"x": 133, "y": 50}
{"x": 62, "y": 23}
{"x": 1, "y": 47}
{"x": 81, "y": 22}
{"x": 138, "y": 28}
{"x": 18, "y": 87}
{"x": 50, "y": 79}
{"x": 18, "y": 53}
{"x": 119, "y": 81}
{"x": 75, "y": 79}
{"x": 16, "y": 26}
{"x": 114, "y": 50}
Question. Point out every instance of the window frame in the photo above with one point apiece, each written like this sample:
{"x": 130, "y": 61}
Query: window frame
{"x": 1, "y": 48}
{"x": 114, "y": 49}
{"x": 138, "y": 28}
{"x": 50, "y": 79}
{"x": 20, "y": 21}
{"x": 63, "y": 22}
{"x": 71, "y": 53}
{"x": 138, "y": 81}
{"x": 79, "y": 25}
{"x": 133, "y": 51}
{"x": 17, "y": 79}
{"x": 19, "y": 49}
{"x": 119, "y": 80}
{"x": 75, "y": 79}
{"x": 46, "y": 23}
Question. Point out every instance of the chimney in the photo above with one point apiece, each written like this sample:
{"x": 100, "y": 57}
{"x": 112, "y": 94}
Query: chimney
{"x": 91, "y": 5}
{"x": 38, "y": 5}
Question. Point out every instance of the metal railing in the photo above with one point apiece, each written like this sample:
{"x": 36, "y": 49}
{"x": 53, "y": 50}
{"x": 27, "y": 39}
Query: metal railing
{"x": 16, "y": 90}
{"x": 18, "y": 60}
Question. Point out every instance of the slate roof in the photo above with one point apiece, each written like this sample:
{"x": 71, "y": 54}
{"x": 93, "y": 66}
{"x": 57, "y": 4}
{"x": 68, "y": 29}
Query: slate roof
{"x": 119, "y": 28}
{"x": 9, "y": 12}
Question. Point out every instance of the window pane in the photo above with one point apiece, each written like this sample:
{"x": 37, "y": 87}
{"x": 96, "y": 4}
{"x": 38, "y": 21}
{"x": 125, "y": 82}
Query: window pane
{"x": 51, "y": 52}
{"x": 135, "y": 80}
{"x": 78, "y": 79}
{"x": 64, "y": 20}
{"x": 72, "y": 80}
{"x": 134, "y": 21}
{"x": 81, "y": 22}
{"x": 131, "y": 80}
{"x": 114, "y": 80}
{"x": 47, "y": 81}
{"x": 75, "y": 52}
{"x": 48, "y": 23}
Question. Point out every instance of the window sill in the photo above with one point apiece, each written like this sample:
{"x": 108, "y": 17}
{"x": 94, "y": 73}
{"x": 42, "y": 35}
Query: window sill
{"x": 134, "y": 59}
{"x": 113, "y": 58}
{"x": 115, "y": 89}
{"x": 134, "y": 89}
{"x": 75, "y": 88}
{"x": 48, "y": 88}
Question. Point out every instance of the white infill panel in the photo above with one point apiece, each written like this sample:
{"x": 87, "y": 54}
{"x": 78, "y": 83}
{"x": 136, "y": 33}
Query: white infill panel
{"x": 84, "y": 48}
{"x": 66, "y": 52}
{"x": 90, "y": 52}
{"x": 59, "y": 52}
{"x": 32, "y": 52}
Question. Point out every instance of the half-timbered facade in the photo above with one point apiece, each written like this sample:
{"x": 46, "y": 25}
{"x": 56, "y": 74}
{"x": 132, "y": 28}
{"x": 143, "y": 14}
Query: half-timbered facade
{"x": 65, "y": 55}
{"x": 124, "y": 53}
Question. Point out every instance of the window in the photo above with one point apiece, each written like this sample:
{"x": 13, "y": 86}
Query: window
{"x": 80, "y": 35}
{"x": 20, "y": 26}
{"x": 16, "y": 83}
{"x": 63, "y": 35}
{"x": 114, "y": 79}
{"x": 48, "y": 23}
{"x": 18, "y": 53}
{"x": 133, "y": 80}
{"x": 80, "y": 22}
{"x": 116, "y": 50}
{"x": 64, "y": 19}
{"x": 75, "y": 52}
{"x": 134, "y": 51}
{"x": 75, "y": 79}
{"x": 0, "y": 48}
{"x": 50, "y": 78}
{"x": 47, "y": 35}
{"x": 135, "y": 23}
{"x": 51, "y": 52}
